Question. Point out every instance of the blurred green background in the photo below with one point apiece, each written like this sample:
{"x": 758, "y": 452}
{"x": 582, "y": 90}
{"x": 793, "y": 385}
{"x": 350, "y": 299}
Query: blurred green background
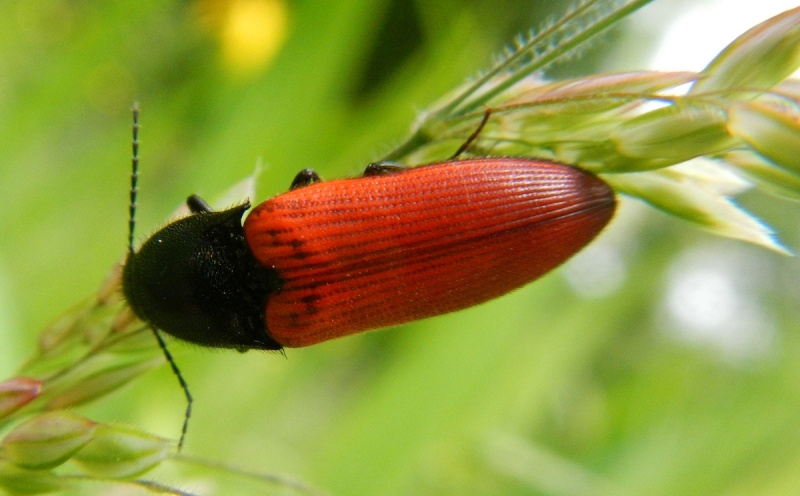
{"x": 659, "y": 361}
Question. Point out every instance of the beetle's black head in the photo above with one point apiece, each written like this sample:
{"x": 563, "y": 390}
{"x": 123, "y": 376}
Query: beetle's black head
{"x": 196, "y": 279}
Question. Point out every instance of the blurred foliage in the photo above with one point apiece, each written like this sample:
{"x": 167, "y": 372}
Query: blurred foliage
{"x": 659, "y": 361}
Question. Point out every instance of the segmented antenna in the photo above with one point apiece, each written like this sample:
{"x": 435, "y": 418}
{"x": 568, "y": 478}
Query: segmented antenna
{"x": 184, "y": 385}
{"x": 131, "y": 226}
{"x": 134, "y": 176}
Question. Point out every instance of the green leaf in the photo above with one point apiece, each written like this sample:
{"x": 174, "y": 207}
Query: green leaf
{"x": 762, "y": 57}
{"x": 96, "y": 377}
{"x": 16, "y": 480}
{"x": 765, "y": 174}
{"x": 673, "y": 134}
{"x": 47, "y": 440}
{"x": 120, "y": 452}
{"x": 698, "y": 202}
{"x": 773, "y": 132}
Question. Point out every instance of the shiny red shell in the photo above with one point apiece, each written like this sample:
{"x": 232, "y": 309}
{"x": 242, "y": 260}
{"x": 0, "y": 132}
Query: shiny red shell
{"x": 376, "y": 251}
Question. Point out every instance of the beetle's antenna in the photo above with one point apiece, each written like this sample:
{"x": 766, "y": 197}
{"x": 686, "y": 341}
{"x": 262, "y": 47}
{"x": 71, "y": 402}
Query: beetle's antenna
{"x": 134, "y": 176}
{"x": 184, "y": 386}
{"x": 472, "y": 137}
{"x": 131, "y": 226}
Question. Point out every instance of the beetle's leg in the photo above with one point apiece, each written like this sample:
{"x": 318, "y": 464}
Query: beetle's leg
{"x": 472, "y": 137}
{"x": 197, "y": 205}
{"x": 386, "y": 167}
{"x": 305, "y": 177}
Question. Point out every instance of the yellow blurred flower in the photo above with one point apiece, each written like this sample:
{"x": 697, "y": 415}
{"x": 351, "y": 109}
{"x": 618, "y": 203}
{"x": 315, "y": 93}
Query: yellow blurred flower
{"x": 250, "y": 32}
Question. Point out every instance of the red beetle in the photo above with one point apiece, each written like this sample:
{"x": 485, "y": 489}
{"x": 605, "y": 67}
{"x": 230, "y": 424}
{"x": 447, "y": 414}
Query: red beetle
{"x": 328, "y": 259}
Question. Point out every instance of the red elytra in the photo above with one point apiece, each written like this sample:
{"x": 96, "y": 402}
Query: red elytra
{"x": 371, "y": 252}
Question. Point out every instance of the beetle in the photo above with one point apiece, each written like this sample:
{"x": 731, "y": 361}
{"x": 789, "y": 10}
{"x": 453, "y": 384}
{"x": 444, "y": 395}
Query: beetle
{"x": 331, "y": 258}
